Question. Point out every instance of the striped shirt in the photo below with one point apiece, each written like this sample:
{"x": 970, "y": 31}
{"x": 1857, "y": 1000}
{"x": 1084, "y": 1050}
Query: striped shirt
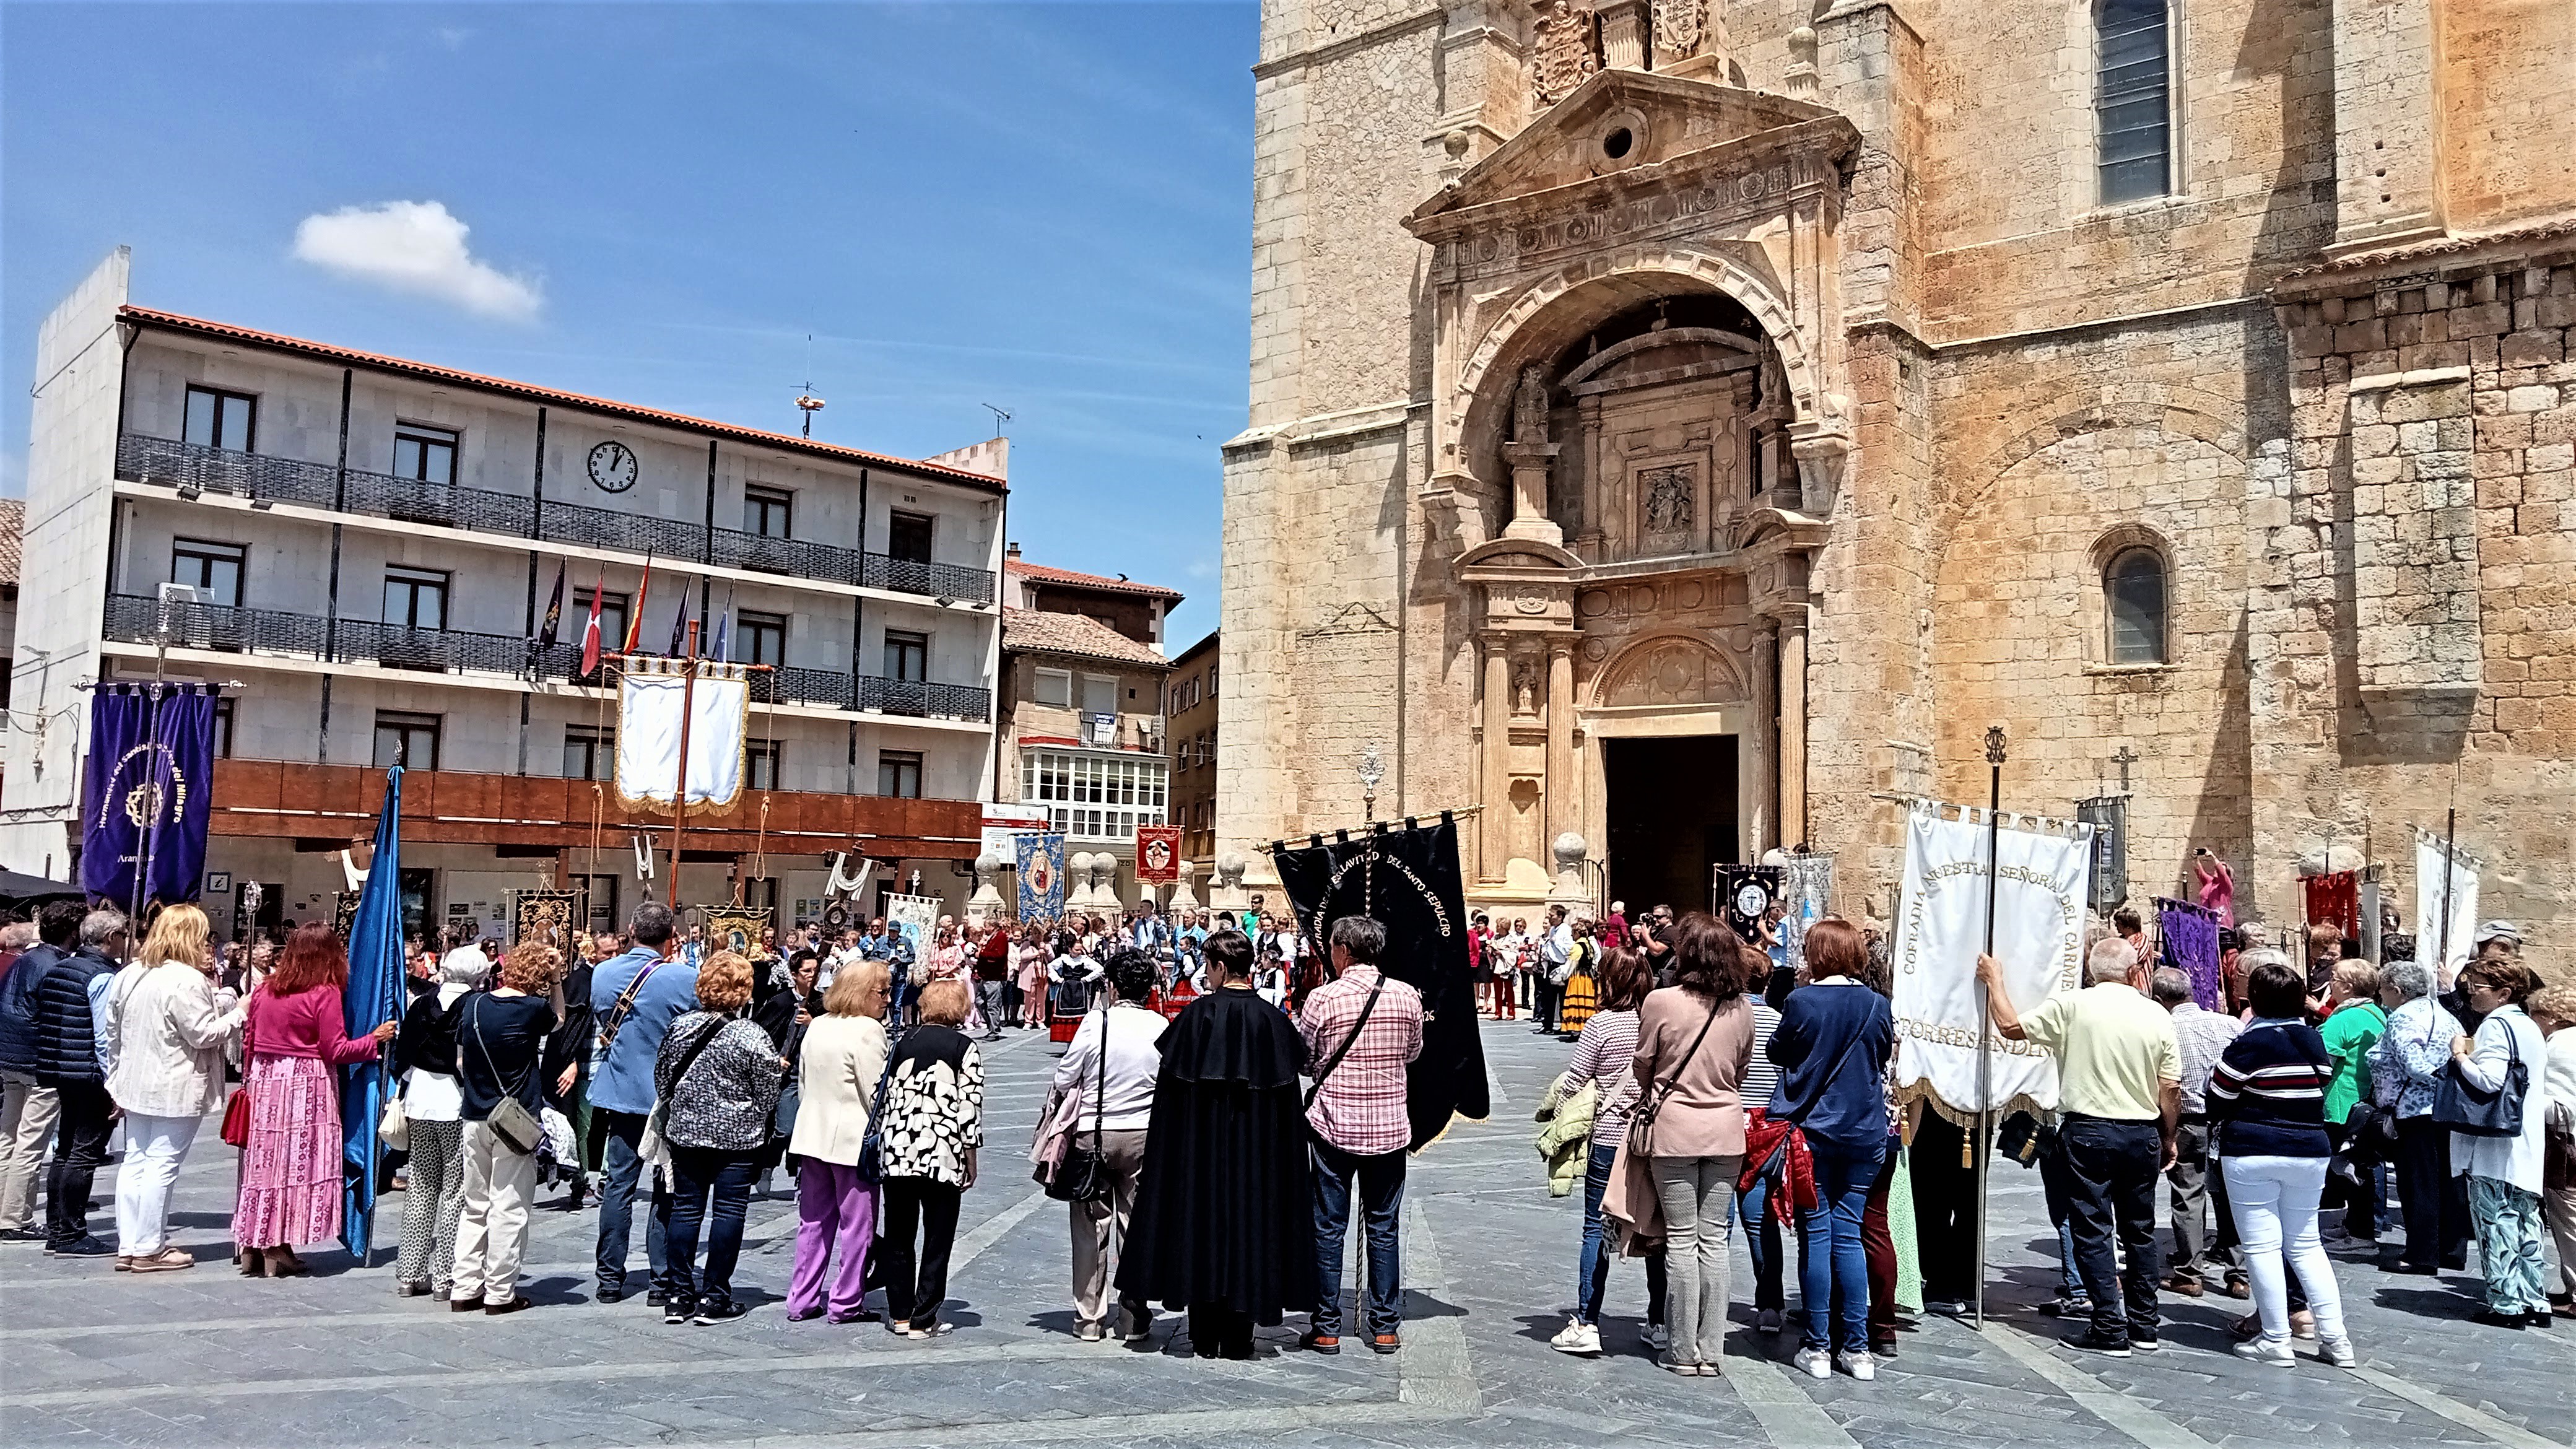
{"x": 1761, "y": 1078}
{"x": 2269, "y": 1092}
{"x": 1607, "y": 1053}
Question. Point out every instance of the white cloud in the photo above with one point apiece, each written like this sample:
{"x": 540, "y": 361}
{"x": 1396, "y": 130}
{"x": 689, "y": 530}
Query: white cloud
{"x": 417, "y": 247}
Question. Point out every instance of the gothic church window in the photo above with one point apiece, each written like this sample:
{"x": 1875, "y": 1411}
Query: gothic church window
{"x": 2133, "y": 593}
{"x": 2132, "y": 100}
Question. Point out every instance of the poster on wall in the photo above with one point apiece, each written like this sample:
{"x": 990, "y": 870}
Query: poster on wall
{"x": 1004, "y": 824}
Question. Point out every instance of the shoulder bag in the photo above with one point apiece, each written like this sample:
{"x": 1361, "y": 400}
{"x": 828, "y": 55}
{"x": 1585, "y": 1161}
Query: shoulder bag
{"x": 2477, "y": 1112}
{"x": 1347, "y": 1042}
{"x": 871, "y": 1164}
{"x": 624, "y": 1006}
{"x": 1083, "y": 1175}
{"x": 510, "y": 1119}
{"x": 1641, "y": 1118}
{"x": 651, "y": 1145}
{"x": 236, "y": 1129}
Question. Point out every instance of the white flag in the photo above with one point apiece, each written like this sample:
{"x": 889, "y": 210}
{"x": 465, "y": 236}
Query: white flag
{"x": 649, "y": 713}
{"x": 2039, "y": 938}
{"x": 2429, "y": 940}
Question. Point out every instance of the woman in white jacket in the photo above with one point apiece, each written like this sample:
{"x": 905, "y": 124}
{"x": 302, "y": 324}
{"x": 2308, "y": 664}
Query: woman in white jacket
{"x": 167, "y": 1025}
{"x": 2504, "y": 1173}
{"x": 836, "y": 1083}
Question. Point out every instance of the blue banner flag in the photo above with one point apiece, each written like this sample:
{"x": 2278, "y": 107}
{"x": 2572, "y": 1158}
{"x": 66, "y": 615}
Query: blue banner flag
{"x": 1041, "y": 872}
{"x": 374, "y": 997}
{"x": 150, "y": 785}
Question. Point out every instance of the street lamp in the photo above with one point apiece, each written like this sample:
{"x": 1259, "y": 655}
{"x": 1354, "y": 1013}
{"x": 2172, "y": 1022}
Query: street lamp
{"x": 1372, "y": 769}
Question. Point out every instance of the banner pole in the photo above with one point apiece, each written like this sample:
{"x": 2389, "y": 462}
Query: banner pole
{"x": 1985, "y": 1006}
{"x": 2450, "y": 849}
{"x": 680, "y": 783}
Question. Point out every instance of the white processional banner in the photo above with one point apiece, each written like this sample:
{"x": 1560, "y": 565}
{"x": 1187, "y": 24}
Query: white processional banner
{"x": 2429, "y": 939}
{"x": 2039, "y": 938}
{"x": 916, "y": 917}
{"x": 649, "y": 713}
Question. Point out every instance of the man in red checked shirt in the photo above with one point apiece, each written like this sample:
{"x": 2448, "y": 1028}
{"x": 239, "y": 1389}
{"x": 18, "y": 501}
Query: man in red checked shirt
{"x": 1360, "y": 1030}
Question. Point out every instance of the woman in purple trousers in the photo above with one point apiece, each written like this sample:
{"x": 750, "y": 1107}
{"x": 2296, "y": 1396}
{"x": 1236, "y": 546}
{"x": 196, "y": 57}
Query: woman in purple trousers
{"x": 845, "y": 1054}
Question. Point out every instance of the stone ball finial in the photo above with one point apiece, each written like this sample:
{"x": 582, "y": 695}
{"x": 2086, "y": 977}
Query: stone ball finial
{"x": 1569, "y": 850}
{"x": 1079, "y": 864}
{"x": 1229, "y": 870}
{"x": 987, "y": 863}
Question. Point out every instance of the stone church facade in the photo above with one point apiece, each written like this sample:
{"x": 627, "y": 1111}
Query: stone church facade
{"x": 1689, "y": 424}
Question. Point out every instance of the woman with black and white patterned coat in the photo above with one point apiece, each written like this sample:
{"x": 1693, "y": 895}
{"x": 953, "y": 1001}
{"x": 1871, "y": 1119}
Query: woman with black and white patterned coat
{"x": 717, "y": 1100}
{"x": 934, "y": 1121}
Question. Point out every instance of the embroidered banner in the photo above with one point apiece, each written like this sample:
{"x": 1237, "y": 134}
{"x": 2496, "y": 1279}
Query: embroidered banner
{"x": 1807, "y": 893}
{"x": 916, "y": 917}
{"x": 650, "y": 698}
{"x": 1407, "y": 880}
{"x": 2430, "y": 939}
{"x": 2039, "y": 938}
{"x": 150, "y": 786}
{"x": 1041, "y": 875}
{"x": 1158, "y": 854}
{"x": 2187, "y": 939}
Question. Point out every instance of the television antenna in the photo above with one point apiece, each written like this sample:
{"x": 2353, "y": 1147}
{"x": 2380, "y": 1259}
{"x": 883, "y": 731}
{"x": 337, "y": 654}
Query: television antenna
{"x": 806, "y": 402}
{"x": 1000, "y": 416}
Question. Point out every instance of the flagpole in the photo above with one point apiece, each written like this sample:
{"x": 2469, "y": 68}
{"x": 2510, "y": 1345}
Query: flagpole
{"x": 680, "y": 783}
{"x": 1985, "y": 1003}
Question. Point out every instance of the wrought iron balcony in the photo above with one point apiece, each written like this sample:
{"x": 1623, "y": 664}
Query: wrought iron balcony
{"x": 409, "y": 500}
{"x": 135, "y": 619}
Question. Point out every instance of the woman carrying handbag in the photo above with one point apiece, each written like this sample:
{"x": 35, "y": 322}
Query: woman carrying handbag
{"x": 500, "y": 1048}
{"x": 841, "y": 1076}
{"x": 2492, "y": 1101}
{"x": 1694, "y": 1039}
{"x": 1113, "y": 1059}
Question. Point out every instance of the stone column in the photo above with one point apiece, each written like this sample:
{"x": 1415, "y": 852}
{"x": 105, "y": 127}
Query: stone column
{"x": 1530, "y": 463}
{"x": 1793, "y": 726}
{"x": 1497, "y": 818}
{"x": 2388, "y": 123}
{"x": 1564, "y": 790}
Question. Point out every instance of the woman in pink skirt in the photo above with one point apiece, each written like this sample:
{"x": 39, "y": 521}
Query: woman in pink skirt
{"x": 290, "y": 1172}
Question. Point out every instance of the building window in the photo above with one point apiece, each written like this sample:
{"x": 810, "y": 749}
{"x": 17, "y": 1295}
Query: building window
{"x": 224, "y": 729}
{"x": 214, "y": 570}
{"x": 2133, "y": 588}
{"x": 1094, "y": 797}
{"x": 425, "y": 454}
{"x": 908, "y": 537}
{"x": 408, "y": 740}
{"x": 590, "y": 752}
{"x": 2132, "y": 100}
{"x": 768, "y": 512}
{"x": 1211, "y": 681}
{"x": 1052, "y": 686}
{"x": 416, "y": 598}
{"x": 907, "y": 655}
{"x": 1099, "y": 694}
{"x": 220, "y": 419}
{"x": 763, "y": 768}
{"x": 899, "y": 774}
{"x": 759, "y": 639}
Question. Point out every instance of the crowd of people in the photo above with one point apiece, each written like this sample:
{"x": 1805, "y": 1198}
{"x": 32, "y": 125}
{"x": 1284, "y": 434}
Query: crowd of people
{"x": 1231, "y": 1104}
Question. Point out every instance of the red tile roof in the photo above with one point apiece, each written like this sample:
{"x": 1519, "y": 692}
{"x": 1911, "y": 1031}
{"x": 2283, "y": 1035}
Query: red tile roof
{"x": 13, "y": 524}
{"x": 1039, "y": 631}
{"x": 328, "y": 352}
{"x": 1041, "y": 573}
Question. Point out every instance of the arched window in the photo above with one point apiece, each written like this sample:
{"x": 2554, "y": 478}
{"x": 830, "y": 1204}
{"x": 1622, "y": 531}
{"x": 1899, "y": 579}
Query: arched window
{"x": 2133, "y": 593}
{"x": 2132, "y": 100}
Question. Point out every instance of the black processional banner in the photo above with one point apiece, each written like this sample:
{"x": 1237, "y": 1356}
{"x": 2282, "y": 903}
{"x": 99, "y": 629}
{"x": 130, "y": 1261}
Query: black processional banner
{"x": 1408, "y": 881}
{"x": 1741, "y": 895}
{"x": 150, "y": 785}
{"x": 2109, "y": 817}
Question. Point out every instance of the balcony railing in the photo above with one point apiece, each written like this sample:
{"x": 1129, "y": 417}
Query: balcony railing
{"x": 134, "y": 619}
{"x": 409, "y": 500}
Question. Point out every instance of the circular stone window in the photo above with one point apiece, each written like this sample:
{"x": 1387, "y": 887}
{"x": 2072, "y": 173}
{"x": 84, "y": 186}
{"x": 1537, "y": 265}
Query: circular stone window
{"x": 1618, "y": 143}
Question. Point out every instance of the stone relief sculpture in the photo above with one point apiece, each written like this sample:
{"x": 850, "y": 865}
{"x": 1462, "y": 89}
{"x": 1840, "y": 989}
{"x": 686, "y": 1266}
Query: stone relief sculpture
{"x": 1529, "y": 407}
{"x": 1524, "y": 687}
{"x": 1668, "y": 498}
{"x": 1672, "y": 672}
{"x": 1565, "y": 55}
{"x": 1680, "y": 26}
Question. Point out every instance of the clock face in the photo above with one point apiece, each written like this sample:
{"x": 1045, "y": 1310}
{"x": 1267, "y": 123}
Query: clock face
{"x": 1751, "y": 899}
{"x": 612, "y": 467}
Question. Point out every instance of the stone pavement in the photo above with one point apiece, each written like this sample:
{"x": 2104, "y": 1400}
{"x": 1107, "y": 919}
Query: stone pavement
{"x": 207, "y": 1358}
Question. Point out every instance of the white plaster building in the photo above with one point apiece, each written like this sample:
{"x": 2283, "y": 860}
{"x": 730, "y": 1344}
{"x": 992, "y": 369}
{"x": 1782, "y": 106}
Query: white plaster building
{"x": 371, "y": 546}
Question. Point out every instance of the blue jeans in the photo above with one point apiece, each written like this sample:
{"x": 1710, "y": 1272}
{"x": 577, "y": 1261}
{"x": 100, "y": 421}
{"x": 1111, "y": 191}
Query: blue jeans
{"x": 1762, "y": 1241}
{"x": 620, "y": 1168}
{"x": 712, "y": 1189}
{"x": 2052, "y": 1186}
{"x": 1592, "y": 1274}
{"x": 1833, "y": 1272}
{"x": 1381, "y": 1184}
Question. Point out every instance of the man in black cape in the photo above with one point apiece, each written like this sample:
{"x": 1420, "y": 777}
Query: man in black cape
{"x": 1224, "y": 1223}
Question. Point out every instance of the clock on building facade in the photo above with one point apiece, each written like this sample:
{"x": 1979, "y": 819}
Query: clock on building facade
{"x": 612, "y": 466}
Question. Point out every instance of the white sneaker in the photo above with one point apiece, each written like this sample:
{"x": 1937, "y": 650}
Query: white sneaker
{"x": 1859, "y": 1365}
{"x": 2273, "y": 1355}
{"x": 2338, "y": 1352}
{"x": 1583, "y": 1338}
{"x": 1817, "y": 1363}
{"x": 1567, "y": 1334}
{"x": 1767, "y": 1321}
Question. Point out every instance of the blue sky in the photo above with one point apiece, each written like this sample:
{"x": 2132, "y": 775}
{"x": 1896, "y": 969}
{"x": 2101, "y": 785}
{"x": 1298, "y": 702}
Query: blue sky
{"x": 1043, "y": 207}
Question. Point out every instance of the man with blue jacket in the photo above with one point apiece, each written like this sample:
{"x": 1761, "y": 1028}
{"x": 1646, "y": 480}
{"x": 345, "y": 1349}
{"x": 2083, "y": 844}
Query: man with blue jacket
{"x": 634, "y": 997}
{"x": 28, "y": 1108}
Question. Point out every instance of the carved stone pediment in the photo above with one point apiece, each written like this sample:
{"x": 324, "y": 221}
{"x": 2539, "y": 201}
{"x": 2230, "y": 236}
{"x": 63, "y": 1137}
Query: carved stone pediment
{"x": 1635, "y": 127}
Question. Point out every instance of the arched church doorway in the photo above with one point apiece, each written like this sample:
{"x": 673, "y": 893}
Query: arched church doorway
{"x": 1672, "y": 815}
